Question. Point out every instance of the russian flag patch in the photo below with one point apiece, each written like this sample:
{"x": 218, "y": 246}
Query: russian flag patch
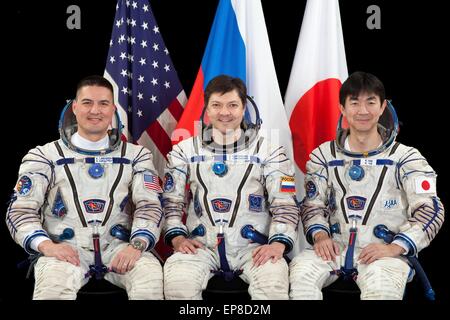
{"x": 287, "y": 184}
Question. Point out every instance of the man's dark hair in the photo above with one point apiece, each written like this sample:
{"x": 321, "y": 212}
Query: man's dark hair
{"x": 97, "y": 81}
{"x": 223, "y": 84}
{"x": 359, "y": 82}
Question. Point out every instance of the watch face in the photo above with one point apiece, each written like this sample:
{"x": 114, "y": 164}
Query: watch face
{"x": 137, "y": 244}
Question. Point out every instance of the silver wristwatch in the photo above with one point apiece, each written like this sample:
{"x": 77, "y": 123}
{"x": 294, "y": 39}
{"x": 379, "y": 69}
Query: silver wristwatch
{"x": 138, "y": 244}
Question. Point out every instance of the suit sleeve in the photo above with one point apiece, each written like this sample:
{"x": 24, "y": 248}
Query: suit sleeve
{"x": 314, "y": 210}
{"x": 175, "y": 180}
{"x": 23, "y": 217}
{"x": 425, "y": 210}
{"x": 146, "y": 193}
{"x": 280, "y": 186}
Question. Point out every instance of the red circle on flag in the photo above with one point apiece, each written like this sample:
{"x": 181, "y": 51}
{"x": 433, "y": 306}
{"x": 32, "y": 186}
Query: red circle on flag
{"x": 425, "y": 185}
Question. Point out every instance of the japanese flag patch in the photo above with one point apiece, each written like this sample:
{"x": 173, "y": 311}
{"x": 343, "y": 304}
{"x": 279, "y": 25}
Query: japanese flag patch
{"x": 425, "y": 185}
{"x": 287, "y": 184}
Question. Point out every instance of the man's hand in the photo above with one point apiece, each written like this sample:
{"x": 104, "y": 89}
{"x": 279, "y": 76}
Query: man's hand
{"x": 375, "y": 251}
{"x": 265, "y": 252}
{"x": 325, "y": 247}
{"x": 125, "y": 259}
{"x": 61, "y": 251}
{"x": 184, "y": 245}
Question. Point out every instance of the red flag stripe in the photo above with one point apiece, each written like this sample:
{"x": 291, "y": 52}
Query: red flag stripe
{"x": 176, "y": 109}
{"x": 160, "y": 138}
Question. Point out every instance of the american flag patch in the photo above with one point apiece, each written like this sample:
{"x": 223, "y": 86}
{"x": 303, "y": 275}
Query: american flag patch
{"x": 151, "y": 182}
{"x": 287, "y": 184}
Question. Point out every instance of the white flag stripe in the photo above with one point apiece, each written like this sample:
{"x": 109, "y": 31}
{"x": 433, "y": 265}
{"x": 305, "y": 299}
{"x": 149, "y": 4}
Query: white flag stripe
{"x": 262, "y": 82}
{"x": 167, "y": 121}
{"x": 320, "y": 50}
{"x": 122, "y": 114}
{"x": 182, "y": 98}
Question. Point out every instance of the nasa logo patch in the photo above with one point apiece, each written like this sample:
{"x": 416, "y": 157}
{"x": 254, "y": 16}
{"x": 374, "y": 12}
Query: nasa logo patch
{"x": 24, "y": 185}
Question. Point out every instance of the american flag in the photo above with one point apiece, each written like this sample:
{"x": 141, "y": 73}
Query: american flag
{"x": 148, "y": 93}
{"x": 152, "y": 182}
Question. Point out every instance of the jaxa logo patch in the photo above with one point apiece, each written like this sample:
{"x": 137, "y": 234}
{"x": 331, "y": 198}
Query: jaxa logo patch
{"x": 94, "y": 205}
{"x": 24, "y": 185}
{"x": 221, "y": 205}
{"x": 168, "y": 182}
{"x": 356, "y": 203}
{"x": 255, "y": 202}
{"x": 390, "y": 204}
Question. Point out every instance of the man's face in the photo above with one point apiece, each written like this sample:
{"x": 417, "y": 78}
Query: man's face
{"x": 94, "y": 109}
{"x": 363, "y": 112}
{"x": 225, "y": 111}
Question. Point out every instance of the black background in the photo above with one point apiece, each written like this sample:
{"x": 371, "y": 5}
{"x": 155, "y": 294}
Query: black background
{"x": 44, "y": 60}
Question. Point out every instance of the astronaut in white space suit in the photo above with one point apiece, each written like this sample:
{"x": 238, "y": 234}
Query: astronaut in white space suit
{"x": 241, "y": 186}
{"x": 363, "y": 180}
{"x": 74, "y": 194}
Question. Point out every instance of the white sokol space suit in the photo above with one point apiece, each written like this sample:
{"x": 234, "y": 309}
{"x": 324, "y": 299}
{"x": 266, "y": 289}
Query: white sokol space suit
{"x": 248, "y": 183}
{"x": 62, "y": 187}
{"x": 392, "y": 186}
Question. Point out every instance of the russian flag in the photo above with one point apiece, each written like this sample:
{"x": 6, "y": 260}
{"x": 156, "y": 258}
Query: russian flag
{"x": 287, "y": 184}
{"x": 238, "y": 45}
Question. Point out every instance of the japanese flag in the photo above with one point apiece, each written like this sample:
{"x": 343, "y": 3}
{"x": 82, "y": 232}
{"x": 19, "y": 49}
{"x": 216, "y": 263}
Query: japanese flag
{"x": 425, "y": 185}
